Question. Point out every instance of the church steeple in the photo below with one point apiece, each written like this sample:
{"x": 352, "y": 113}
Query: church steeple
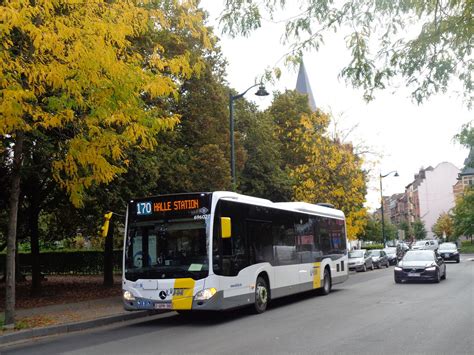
{"x": 303, "y": 86}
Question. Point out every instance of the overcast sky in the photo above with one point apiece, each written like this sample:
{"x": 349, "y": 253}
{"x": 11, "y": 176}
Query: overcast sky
{"x": 405, "y": 135}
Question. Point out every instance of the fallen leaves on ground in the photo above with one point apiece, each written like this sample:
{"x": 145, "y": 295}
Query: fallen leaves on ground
{"x": 60, "y": 289}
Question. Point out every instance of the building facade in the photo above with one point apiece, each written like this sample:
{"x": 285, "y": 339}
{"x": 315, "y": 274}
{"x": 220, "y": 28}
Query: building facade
{"x": 466, "y": 176}
{"x": 432, "y": 193}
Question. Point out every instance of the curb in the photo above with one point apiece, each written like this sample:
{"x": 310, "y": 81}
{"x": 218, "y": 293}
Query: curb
{"x": 73, "y": 327}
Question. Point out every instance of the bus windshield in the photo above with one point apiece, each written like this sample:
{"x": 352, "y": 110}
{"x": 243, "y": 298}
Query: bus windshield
{"x": 167, "y": 249}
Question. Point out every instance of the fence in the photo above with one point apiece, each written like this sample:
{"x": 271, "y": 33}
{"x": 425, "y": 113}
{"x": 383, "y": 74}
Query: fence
{"x": 83, "y": 262}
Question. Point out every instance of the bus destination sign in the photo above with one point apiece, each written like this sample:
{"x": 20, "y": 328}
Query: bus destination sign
{"x": 172, "y": 206}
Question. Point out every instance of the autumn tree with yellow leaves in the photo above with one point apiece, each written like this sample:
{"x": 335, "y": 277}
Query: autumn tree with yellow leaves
{"x": 331, "y": 172}
{"x": 321, "y": 169}
{"x": 97, "y": 78}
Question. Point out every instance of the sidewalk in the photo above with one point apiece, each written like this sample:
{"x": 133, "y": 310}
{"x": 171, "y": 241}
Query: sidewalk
{"x": 64, "y": 318}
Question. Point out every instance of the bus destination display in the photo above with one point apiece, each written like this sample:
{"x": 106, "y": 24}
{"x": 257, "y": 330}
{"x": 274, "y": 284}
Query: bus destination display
{"x": 172, "y": 206}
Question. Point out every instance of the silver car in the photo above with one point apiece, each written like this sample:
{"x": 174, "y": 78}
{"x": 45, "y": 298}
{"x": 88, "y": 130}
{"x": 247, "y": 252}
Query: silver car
{"x": 360, "y": 260}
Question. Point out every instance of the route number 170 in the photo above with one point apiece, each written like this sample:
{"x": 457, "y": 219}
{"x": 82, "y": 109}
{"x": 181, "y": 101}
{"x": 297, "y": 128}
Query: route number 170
{"x": 143, "y": 208}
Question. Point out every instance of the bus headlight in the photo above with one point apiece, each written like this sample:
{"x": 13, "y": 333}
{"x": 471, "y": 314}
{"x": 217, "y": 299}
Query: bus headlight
{"x": 205, "y": 294}
{"x": 128, "y": 296}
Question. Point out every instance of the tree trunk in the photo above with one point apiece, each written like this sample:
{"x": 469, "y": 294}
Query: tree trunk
{"x": 109, "y": 256}
{"x": 12, "y": 228}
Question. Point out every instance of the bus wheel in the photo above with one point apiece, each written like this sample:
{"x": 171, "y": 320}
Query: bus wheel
{"x": 261, "y": 295}
{"x": 326, "y": 283}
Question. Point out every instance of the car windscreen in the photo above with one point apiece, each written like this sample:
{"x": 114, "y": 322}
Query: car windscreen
{"x": 391, "y": 251}
{"x": 356, "y": 254}
{"x": 418, "y": 256}
{"x": 167, "y": 249}
{"x": 447, "y": 246}
{"x": 375, "y": 252}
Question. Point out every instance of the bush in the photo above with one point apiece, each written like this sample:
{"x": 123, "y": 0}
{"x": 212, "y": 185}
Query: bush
{"x": 467, "y": 246}
{"x": 372, "y": 246}
{"x": 82, "y": 262}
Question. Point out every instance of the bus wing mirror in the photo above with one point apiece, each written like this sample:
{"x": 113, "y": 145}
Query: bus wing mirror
{"x": 226, "y": 227}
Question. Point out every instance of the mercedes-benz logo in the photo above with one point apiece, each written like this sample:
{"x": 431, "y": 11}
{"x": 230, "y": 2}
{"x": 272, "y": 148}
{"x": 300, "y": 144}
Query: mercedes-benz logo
{"x": 162, "y": 295}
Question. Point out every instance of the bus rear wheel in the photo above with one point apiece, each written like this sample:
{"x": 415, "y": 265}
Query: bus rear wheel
{"x": 261, "y": 295}
{"x": 326, "y": 289}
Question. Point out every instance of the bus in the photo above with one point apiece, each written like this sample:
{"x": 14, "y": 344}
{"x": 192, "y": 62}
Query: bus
{"x": 223, "y": 250}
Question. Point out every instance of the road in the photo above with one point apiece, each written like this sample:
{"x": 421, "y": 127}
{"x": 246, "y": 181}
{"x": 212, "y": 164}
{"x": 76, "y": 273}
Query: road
{"x": 368, "y": 314}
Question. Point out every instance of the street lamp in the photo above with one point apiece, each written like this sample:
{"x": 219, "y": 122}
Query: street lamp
{"x": 381, "y": 202}
{"x": 260, "y": 92}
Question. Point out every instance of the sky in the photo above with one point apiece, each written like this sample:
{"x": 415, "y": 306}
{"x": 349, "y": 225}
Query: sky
{"x": 404, "y": 136}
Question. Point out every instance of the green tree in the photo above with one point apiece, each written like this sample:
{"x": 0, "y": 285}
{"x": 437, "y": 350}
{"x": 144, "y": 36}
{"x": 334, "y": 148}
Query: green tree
{"x": 263, "y": 174}
{"x": 439, "y": 52}
{"x": 406, "y": 228}
{"x": 466, "y": 136}
{"x": 419, "y": 230}
{"x": 373, "y": 230}
{"x": 390, "y": 231}
{"x": 463, "y": 214}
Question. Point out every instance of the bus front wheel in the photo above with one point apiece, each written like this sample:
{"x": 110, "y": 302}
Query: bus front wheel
{"x": 261, "y": 295}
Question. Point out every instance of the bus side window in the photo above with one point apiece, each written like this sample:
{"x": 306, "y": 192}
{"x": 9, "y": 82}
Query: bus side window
{"x": 259, "y": 235}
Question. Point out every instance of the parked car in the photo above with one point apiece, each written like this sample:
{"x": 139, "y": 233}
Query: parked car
{"x": 449, "y": 251}
{"x": 379, "y": 257}
{"x": 420, "y": 265}
{"x": 425, "y": 245}
{"x": 391, "y": 255}
{"x": 360, "y": 260}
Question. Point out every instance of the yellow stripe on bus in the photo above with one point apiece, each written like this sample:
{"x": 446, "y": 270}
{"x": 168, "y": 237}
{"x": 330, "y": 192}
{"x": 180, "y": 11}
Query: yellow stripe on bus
{"x": 316, "y": 275}
{"x": 183, "y": 300}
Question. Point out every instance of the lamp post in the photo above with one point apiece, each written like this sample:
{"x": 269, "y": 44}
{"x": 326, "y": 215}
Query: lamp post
{"x": 381, "y": 202}
{"x": 260, "y": 92}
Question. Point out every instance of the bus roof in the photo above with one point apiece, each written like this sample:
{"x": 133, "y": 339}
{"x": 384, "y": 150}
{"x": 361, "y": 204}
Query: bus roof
{"x": 303, "y": 207}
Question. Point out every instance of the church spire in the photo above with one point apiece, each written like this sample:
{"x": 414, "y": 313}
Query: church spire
{"x": 303, "y": 86}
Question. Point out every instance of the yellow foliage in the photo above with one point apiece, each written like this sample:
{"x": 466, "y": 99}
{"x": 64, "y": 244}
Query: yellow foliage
{"x": 330, "y": 171}
{"x": 71, "y": 68}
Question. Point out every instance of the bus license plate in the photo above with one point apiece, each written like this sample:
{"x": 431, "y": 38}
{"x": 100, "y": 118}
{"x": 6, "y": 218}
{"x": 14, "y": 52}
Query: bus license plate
{"x": 162, "y": 305}
{"x": 414, "y": 274}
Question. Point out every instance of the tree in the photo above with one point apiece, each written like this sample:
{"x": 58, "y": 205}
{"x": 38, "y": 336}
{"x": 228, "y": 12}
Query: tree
{"x": 406, "y": 228}
{"x": 466, "y": 136}
{"x": 419, "y": 231}
{"x": 373, "y": 230}
{"x": 79, "y": 74}
{"x": 330, "y": 172}
{"x": 463, "y": 214}
{"x": 390, "y": 231}
{"x": 443, "y": 228}
{"x": 263, "y": 173}
{"x": 428, "y": 61}
{"x": 319, "y": 168}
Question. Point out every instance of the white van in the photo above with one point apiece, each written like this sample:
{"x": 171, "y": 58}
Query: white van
{"x": 427, "y": 244}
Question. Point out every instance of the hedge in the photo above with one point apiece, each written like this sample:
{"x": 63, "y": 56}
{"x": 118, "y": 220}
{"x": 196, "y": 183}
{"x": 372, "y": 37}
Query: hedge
{"x": 82, "y": 262}
{"x": 372, "y": 246}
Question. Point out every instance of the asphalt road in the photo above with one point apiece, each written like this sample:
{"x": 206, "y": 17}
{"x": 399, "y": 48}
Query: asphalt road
{"x": 367, "y": 314}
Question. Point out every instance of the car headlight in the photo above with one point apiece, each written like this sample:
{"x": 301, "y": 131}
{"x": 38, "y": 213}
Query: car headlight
{"x": 205, "y": 294}
{"x": 128, "y": 296}
{"x": 455, "y": 252}
{"x": 397, "y": 268}
{"x": 431, "y": 268}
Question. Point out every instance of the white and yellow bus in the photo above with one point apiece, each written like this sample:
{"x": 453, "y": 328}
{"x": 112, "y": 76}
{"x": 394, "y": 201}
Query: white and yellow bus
{"x": 223, "y": 250}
